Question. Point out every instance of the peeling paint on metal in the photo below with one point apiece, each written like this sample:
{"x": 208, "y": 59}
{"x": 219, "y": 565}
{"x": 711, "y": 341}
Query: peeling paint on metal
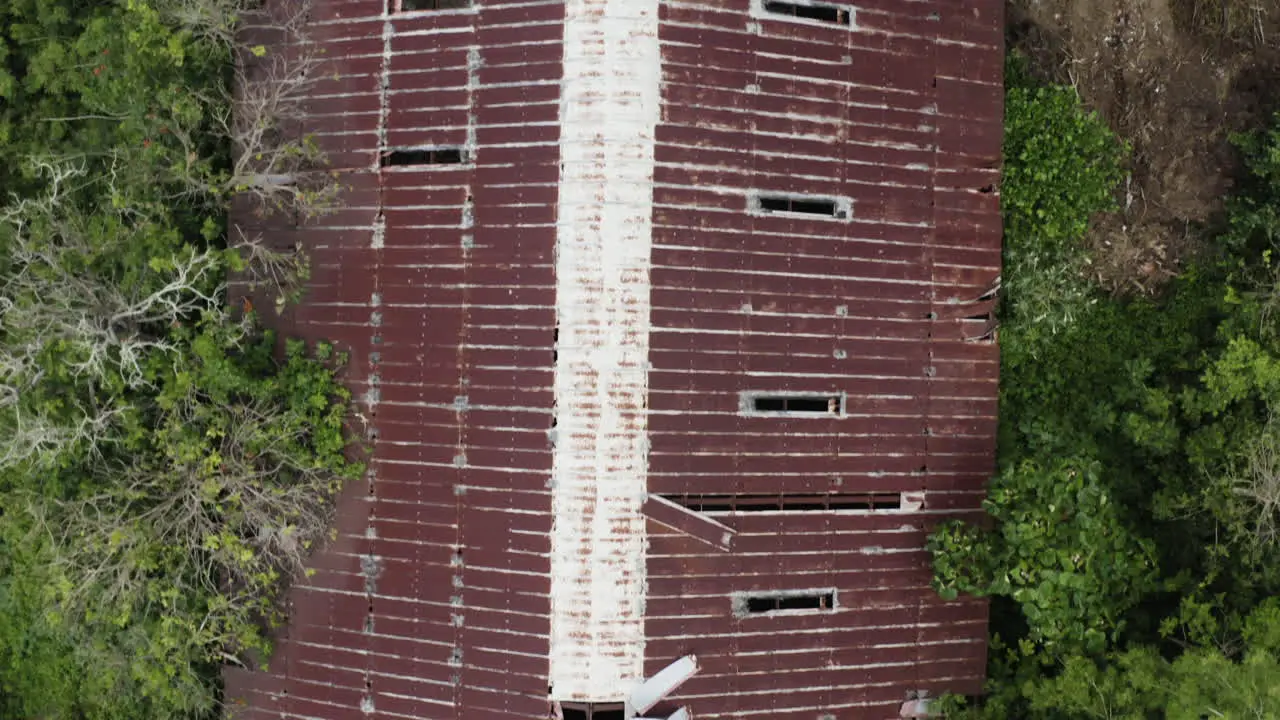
{"x": 898, "y": 113}
{"x": 609, "y": 109}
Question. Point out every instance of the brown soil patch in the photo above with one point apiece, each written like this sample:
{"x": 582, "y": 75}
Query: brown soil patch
{"x": 1173, "y": 78}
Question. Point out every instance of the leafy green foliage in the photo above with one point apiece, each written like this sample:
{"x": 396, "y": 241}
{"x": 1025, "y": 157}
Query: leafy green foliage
{"x": 1059, "y": 550}
{"x": 1062, "y": 165}
{"x": 1139, "y": 682}
{"x": 165, "y": 463}
{"x": 1132, "y": 554}
{"x": 121, "y": 599}
{"x": 216, "y": 488}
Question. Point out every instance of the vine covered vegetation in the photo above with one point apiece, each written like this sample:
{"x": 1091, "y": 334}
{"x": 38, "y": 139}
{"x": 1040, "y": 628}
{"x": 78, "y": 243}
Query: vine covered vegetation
{"x": 165, "y": 462}
{"x": 1133, "y": 558}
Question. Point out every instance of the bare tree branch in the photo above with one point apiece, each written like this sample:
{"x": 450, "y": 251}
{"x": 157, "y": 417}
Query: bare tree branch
{"x": 50, "y": 297}
{"x": 263, "y": 497}
{"x": 281, "y": 273}
{"x": 238, "y": 513}
{"x": 277, "y": 167}
{"x": 273, "y": 163}
{"x": 1258, "y": 480}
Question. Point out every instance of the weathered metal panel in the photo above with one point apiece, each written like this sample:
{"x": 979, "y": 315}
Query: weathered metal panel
{"x": 443, "y": 553}
{"x": 609, "y": 107}
{"x": 449, "y": 593}
{"x": 745, "y": 302}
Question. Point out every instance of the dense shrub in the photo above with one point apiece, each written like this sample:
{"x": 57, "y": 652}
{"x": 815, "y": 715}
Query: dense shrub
{"x": 1133, "y": 546}
{"x": 1059, "y": 550}
{"x": 1062, "y": 165}
{"x": 165, "y": 463}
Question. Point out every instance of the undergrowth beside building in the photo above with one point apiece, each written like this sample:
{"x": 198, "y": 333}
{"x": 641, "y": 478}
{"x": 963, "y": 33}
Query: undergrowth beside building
{"x": 1133, "y": 562}
{"x": 165, "y": 461}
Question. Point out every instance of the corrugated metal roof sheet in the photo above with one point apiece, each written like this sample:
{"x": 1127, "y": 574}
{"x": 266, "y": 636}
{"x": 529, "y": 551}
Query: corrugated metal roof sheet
{"x": 451, "y": 284}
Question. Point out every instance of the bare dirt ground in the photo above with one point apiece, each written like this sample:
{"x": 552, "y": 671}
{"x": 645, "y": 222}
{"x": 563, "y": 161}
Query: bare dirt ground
{"x": 1173, "y": 78}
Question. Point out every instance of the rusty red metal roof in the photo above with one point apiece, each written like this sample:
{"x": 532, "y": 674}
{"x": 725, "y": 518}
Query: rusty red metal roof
{"x": 671, "y": 322}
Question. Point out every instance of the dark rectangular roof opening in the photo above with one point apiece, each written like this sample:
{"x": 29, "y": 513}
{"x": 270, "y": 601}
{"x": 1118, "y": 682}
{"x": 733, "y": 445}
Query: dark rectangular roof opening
{"x": 789, "y": 601}
{"x": 746, "y": 503}
{"x": 797, "y": 404}
{"x": 424, "y": 156}
{"x": 827, "y": 207}
{"x": 822, "y": 13}
{"x": 593, "y": 711}
{"x": 415, "y": 5}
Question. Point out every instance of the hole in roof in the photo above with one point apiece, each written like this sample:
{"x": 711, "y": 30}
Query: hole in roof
{"x": 828, "y": 207}
{"x": 424, "y": 156}
{"x": 790, "y": 602}
{"x": 796, "y": 404}
{"x": 416, "y": 5}
{"x": 593, "y": 711}
{"x": 833, "y": 14}
{"x": 748, "y": 503}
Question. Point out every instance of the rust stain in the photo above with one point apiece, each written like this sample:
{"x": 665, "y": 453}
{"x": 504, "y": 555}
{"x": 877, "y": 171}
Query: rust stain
{"x": 436, "y": 600}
